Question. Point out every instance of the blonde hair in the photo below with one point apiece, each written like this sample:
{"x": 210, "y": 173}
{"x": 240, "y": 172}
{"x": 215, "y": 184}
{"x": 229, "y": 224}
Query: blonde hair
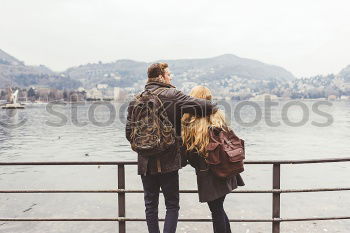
{"x": 195, "y": 130}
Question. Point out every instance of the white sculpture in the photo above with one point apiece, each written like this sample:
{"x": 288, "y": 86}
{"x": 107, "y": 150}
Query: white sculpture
{"x": 13, "y": 97}
{"x": 12, "y": 100}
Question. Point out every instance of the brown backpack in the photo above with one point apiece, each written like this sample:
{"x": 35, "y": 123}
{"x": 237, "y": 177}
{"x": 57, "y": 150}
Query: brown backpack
{"x": 225, "y": 153}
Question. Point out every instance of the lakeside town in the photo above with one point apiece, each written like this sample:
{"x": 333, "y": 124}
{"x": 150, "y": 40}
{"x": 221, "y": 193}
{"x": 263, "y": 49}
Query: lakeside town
{"x": 229, "y": 77}
{"x": 328, "y": 87}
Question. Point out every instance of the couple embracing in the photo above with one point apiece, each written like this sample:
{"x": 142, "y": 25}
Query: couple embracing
{"x": 169, "y": 129}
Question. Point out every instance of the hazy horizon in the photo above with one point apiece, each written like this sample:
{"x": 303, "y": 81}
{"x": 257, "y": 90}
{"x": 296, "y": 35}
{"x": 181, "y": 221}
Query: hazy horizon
{"x": 306, "y": 38}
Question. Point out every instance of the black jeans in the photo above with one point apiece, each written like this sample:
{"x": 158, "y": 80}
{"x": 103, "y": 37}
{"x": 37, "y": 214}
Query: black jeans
{"x": 221, "y": 224}
{"x": 169, "y": 183}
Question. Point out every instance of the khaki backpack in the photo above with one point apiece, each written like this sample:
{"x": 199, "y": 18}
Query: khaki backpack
{"x": 152, "y": 132}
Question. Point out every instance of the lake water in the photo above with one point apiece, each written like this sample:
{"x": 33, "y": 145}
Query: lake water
{"x": 35, "y": 140}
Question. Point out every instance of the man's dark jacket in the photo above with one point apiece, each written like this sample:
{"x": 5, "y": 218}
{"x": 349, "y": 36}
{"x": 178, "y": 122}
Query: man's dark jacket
{"x": 176, "y": 103}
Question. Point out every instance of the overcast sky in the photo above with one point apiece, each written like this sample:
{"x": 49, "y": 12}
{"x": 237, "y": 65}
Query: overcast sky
{"x": 307, "y": 37}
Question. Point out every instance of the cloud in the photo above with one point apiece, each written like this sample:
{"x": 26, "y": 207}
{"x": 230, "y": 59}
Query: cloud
{"x": 306, "y": 37}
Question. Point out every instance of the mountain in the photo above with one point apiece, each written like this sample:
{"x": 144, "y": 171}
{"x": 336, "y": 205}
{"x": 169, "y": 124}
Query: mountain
{"x": 127, "y": 73}
{"x": 229, "y": 65}
{"x": 122, "y": 73}
{"x": 14, "y": 72}
{"x": 345, "y": 74}
{"x": 7, "y": 59}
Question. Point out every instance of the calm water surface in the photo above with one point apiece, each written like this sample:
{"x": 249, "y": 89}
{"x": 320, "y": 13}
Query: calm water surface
{"x": 37, "y": 141}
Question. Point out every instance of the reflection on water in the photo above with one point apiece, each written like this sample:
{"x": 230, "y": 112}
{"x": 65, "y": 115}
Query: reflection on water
{"x": 36, "y": 141}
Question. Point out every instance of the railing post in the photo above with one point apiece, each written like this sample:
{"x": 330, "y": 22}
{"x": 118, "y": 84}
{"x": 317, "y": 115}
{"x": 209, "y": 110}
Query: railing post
{"x": 276, "y": 197}
{"x": 121, "y": 197}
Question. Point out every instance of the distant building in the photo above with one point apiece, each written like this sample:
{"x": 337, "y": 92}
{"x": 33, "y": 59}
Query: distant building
{"x": 43, "y": 93}
{"x": 117, "y": 93}
{"x": 108, "y": 93}
{"x": 76, "y": 96}
{"x": 102, "y": 86}
{"x": 81, "y": 89}
{"x": 332, "y": 97}
{"x": 262, "y": 97}
{"x": 94, "y": 94}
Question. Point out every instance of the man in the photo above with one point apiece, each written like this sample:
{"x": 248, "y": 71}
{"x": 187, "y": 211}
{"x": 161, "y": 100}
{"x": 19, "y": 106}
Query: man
{"x": 162, "y": 171}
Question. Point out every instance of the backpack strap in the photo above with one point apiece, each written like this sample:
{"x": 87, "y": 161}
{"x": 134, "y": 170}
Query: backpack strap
{"x": 212, "y": 135}
{"x": 139, "y": 95}
{"x": 158, "y": 91}
{"x": 155, "y": 92}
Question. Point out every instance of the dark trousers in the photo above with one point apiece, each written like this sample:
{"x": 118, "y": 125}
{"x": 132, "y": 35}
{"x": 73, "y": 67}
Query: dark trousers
{"x": 169, "y": 183}
{"x": 221, "y": 224}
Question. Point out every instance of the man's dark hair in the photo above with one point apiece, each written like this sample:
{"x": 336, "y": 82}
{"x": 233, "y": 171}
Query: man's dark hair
{"x": 156, "y": 69}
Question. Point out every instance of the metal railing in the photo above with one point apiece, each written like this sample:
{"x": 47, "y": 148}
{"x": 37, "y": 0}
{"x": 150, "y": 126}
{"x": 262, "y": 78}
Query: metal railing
{"x": 121, "y": 191}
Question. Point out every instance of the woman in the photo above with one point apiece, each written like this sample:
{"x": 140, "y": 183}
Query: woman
{"x": 195, "y": 136}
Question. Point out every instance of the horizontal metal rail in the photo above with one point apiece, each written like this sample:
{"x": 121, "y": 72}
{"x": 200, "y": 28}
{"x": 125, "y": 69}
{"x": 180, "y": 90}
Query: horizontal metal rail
{"x": 180, "y": 220}
{"x": 65, "y": 163}
{"x": 181, "y": 191}
{"x": 121, "y": 191}
{"x": 119, "y": 220}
